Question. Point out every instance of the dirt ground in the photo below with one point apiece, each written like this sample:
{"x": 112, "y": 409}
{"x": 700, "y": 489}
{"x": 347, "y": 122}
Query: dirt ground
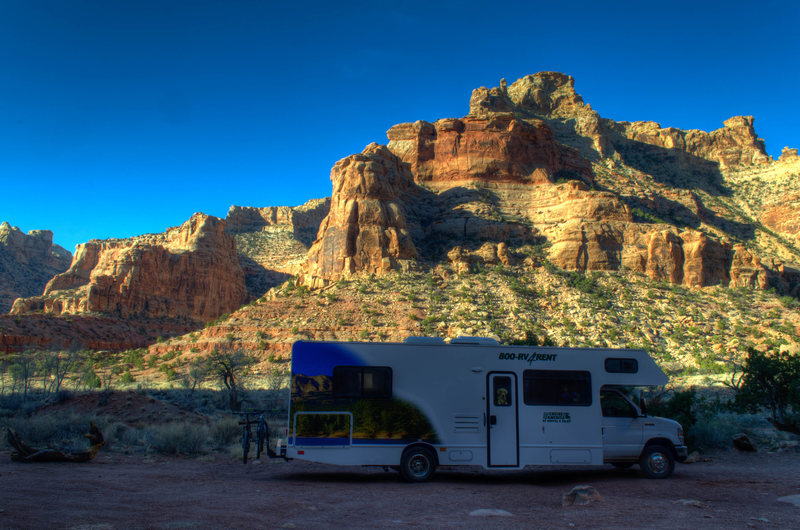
{"x": 122, "y": 491}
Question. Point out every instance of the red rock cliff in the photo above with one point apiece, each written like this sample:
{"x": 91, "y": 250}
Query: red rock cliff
{"x": 190, "y": 271}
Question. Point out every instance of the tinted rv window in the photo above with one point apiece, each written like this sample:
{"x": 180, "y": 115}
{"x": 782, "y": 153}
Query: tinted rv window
{"x": 347, "y": 381}
{"x": 622, "y": 366}
{"x": 557, "y": 387}
{"x": 362, "y": 381}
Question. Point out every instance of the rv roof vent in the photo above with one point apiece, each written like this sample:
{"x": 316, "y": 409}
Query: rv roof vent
{"x": 486, "y": 341}
{"x": 423, "y": 340}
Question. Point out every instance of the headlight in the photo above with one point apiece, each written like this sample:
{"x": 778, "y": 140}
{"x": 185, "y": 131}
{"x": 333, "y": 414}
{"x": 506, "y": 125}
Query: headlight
{"x": 680, "y": 435}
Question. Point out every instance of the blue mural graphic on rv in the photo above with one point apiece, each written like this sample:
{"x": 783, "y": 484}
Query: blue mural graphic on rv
{"x": 338, "y": 400}
{"x": 319, "y": 358}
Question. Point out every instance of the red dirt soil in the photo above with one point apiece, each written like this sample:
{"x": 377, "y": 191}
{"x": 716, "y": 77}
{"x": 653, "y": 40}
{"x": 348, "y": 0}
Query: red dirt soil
{"x": 123, "y": 491}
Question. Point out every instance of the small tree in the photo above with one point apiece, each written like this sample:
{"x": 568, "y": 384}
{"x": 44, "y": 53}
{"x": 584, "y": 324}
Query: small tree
{"x": 23, "y": 370}
{"x": 63, "y": 364}
{"x": 771, "y": 380}
{"x": 230, "y": 367}
{"x": 195, "y": 373}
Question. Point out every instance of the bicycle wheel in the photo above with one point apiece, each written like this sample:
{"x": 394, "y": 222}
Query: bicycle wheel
{"x": 245, "y": 442}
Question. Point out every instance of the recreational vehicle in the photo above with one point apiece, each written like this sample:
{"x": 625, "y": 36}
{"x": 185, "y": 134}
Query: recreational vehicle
{"x": 424, "y": 403}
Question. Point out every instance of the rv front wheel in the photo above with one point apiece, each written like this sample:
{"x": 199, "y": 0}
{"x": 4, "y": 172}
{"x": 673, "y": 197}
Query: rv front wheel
{"x": 417, "y": 465}
{"x": 657, "y": 461}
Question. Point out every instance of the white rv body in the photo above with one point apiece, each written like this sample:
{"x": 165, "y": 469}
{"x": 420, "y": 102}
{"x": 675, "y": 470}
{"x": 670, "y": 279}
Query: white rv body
{"x": 471, "y": 402}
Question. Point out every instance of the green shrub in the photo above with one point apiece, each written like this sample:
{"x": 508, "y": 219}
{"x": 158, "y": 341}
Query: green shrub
{"x": 180, "y": 439}
{"x": 771, "y": 381}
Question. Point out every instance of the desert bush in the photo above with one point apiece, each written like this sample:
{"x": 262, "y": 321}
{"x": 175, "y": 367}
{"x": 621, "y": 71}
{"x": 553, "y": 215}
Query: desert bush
{"x": 716, "y": 431}
{"x": 772, "y": 381}
{"x": 51, "y": 429}
{"x": 688, "y": 409}
{"x": 224, "y": 431}
{"x": 186, "y": 438}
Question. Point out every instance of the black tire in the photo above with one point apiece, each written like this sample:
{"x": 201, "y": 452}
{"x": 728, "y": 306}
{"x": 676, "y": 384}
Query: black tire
{"x": 622, "y": 465}
{"x": 657, "y": 461}
{"x": 245, "y": 444}
{"x": 418, "y": 464}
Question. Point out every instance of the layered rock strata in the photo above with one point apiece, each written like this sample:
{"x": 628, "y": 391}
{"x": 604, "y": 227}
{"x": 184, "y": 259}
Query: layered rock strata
{"x": 27, "y": 262}
{"x": 365, "y": 229}
{"x": 188, "y": 272}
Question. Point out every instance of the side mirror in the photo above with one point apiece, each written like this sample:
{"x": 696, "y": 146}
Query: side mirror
{"x": 643, "y": 406}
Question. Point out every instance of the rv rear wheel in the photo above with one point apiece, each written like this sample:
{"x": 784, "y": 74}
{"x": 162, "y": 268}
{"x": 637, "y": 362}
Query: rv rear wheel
{"x": 657, "y": 461}
{"x": 418, "y": 464}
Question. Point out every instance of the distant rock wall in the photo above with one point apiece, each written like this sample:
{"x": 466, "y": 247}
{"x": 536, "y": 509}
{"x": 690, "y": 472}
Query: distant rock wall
{"x": 27, "y": 262}
{"x": 188, "y": 272}
{"x": 272, "y": 243}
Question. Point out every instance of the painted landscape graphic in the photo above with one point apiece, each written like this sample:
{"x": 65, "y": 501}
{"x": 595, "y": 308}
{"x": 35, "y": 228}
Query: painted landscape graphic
{"x": 386, "y": 420}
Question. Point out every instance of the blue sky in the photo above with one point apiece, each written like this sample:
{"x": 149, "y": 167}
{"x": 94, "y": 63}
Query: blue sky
{"x": 119, "y": 118}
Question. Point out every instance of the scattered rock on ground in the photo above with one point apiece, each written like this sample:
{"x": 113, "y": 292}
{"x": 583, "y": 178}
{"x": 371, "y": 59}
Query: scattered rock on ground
{"x": 692, "y": 502}
{"x": 791, "y": 499}
{"x": 743, "y": 443}
{"x": 693, "y": 457}
{"x": 580, "y": 496}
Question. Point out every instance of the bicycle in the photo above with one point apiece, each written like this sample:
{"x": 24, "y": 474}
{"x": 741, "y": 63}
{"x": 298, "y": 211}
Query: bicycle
{"x": 262, "y": 432}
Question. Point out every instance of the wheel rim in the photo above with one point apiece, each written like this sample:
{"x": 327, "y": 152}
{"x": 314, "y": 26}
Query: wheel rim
{"x": 657, "y": 462}
{"x": 419, "y": 465}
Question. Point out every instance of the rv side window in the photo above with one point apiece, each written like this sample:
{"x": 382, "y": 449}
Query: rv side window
{"x": 362, "y": 381}
{"x": 622, "y": 366}
{"x": 557, "y": 387}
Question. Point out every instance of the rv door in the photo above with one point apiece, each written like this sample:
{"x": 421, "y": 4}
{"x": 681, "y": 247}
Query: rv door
{"x": 502, "y": 429}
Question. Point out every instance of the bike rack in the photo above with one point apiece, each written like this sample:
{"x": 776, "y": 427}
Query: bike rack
{"x": 247, "y": 421}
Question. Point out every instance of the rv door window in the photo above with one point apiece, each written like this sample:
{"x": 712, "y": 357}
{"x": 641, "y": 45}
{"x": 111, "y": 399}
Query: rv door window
{"x": 557, "y": 387}
{"x": 502, "y": 391}
{"x": 362, "y": 381}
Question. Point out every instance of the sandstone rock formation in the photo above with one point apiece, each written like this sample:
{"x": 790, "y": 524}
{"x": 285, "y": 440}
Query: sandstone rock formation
{"x": 523, "y": 165}
{"x": 488, "y": 254}
{"x": 552, "y": 96}
{"x": 272, "y": 243}
{"x": 366, "y": 227}
{"x": 27, "y": 262}
{"x": 496, "y": 148}
{"x": 188, "y": 272}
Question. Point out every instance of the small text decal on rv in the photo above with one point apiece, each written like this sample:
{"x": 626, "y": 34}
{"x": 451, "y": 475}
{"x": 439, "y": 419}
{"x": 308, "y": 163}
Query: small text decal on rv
{"x": 556, "y": 417}
{"x": 530, "y": 357}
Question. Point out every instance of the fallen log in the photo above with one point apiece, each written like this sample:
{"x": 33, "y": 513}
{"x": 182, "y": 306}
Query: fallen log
{"x": 25, "y": 453}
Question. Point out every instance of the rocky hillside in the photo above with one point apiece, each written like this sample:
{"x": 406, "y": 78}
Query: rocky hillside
{"x": 27, "y": 262}
{"x": 510, "y": 296}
